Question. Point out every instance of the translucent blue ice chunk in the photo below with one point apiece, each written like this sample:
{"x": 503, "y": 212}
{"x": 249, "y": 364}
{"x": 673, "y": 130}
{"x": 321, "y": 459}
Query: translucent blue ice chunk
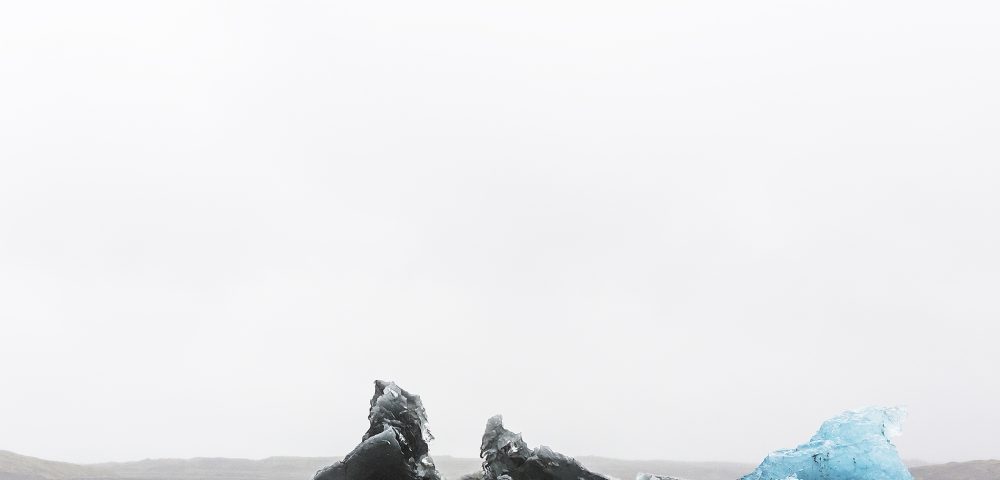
{"x": 854, "y": 445}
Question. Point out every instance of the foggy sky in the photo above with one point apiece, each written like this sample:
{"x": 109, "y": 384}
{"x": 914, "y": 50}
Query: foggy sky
{"x": 678, "y": 229}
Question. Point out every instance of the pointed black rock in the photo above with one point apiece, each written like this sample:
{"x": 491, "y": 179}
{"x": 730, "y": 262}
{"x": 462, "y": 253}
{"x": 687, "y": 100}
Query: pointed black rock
{"x": 507, "y": 457}
{"x": 395, "y": 446}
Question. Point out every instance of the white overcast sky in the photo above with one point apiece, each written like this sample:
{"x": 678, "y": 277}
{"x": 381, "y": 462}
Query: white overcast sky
{"x": 674, "y": 229}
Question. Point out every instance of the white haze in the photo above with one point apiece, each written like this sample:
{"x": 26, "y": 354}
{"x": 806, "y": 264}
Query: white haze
{"x": 673, "y": 229}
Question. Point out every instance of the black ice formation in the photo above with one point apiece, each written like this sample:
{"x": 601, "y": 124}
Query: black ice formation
{"x": 507, "y": 457}
{"x": 395, "y": 446}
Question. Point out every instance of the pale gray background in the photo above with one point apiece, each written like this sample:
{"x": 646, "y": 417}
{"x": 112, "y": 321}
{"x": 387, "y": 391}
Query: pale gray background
{"x": 671, "y": 229}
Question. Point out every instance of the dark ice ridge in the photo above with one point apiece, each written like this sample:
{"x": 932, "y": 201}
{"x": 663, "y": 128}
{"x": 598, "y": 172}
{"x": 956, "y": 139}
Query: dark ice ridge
{"x": 395, "y": 445}
{"x": 507, "y": 457}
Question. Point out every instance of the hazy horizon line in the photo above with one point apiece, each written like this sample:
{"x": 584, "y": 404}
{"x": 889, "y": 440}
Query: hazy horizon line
{"x": 909, "y": 461}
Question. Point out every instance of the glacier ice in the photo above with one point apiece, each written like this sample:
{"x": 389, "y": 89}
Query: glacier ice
{"x": 507, "y": 457}
{"x": 854, "y": 445}
{"x": 395, "y": 445}
{"x": 653, "y": 476}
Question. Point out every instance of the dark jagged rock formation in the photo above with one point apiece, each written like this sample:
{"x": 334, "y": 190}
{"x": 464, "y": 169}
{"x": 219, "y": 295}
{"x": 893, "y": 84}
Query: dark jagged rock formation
{"x": 507, "y": 457}
{"x": 395, "y": 446}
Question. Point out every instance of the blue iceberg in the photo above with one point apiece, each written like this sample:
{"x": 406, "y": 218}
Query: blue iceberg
{"x": 854, "y": 445}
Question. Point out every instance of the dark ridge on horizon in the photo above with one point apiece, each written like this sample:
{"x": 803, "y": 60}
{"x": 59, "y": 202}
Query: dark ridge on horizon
{"x": 14, "y": 466}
